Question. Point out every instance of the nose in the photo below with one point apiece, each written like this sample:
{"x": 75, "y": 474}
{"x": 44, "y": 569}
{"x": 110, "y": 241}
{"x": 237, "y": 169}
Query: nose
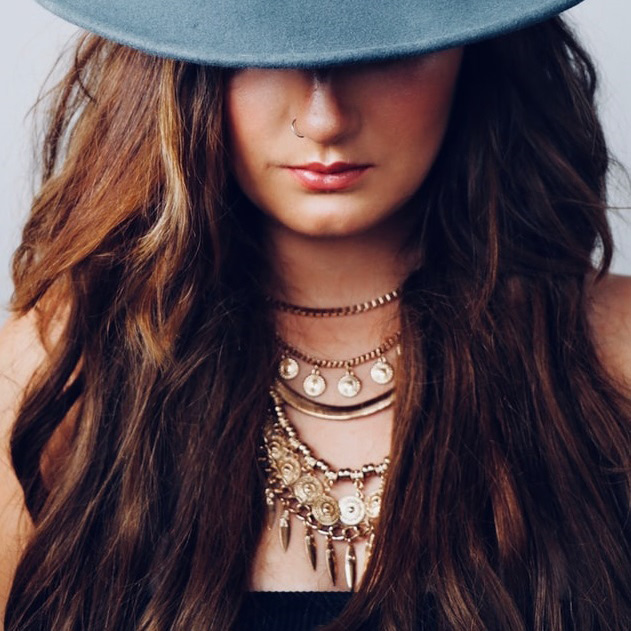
{"x": 327, "y": 115}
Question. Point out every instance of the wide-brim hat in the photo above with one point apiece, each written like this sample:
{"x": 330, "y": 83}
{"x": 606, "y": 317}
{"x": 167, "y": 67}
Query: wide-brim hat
{"x": 300, "y": 33}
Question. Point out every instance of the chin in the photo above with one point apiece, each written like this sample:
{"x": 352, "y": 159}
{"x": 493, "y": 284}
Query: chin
{"x": 330, "y": 227}
{"x": 332, "y": 221}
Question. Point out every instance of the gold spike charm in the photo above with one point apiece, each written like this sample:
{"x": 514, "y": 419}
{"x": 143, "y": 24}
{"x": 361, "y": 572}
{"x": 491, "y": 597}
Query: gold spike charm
{"x": 369, "y": 546}
{"x": 350, "y": 566}
{"x": 270, "y": 501}
{"x": 330, "y": 560}
{"x": 284, "y": 529}
{"x": 310, "y": 547}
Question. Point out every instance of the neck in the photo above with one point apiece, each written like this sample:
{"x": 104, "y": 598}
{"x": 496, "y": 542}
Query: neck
{"x": 332, "y": 271}
{"x": 329, "y": 272}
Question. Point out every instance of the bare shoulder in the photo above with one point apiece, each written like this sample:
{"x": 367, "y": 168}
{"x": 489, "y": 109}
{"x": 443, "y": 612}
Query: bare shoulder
{"x": 21, "y": 353}
{"x": 610, "y": 317}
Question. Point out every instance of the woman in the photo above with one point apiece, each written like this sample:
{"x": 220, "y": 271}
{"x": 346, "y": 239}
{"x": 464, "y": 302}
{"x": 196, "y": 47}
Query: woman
{"x": 339, "y": 281}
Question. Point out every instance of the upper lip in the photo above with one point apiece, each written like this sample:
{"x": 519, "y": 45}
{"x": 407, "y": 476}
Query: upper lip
{"x": 335, "y": 167}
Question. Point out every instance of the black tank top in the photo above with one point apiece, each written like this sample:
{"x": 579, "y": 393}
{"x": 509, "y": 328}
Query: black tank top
{"x": 301, "y": 611}
{"x": 289, "y": 611}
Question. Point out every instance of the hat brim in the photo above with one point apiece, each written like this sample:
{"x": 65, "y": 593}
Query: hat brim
{"x": 300, "y": 33}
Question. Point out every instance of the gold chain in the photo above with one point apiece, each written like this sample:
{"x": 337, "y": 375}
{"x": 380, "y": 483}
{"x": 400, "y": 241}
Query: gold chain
{"x": 388, "y": 344}
{"x": 336, "y": 312}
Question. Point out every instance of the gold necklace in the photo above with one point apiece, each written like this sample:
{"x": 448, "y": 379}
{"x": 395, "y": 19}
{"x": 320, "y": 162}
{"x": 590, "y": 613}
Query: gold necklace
{"x": 336, "y": 312}
{"x": 333, "y": 412}
{"x": 349, "y": 385}
{"x": 302, "y": 484}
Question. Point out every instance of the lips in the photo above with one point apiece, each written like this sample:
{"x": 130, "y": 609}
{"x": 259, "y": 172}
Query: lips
{"x": 336, "y": 176}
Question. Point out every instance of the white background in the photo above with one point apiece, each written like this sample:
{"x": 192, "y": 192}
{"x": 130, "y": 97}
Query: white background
{"x": 31, "y": 39}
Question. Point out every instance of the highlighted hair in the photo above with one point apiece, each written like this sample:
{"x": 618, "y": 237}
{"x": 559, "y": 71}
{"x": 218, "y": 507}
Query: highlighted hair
{"x": 507, "y": 505}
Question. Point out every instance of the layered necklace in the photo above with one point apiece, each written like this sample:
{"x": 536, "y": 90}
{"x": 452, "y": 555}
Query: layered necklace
{"x": 348, "y": 385}
{"x": 304, "y": 488}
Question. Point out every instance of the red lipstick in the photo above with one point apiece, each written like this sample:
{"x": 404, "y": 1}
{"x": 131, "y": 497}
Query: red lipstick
{"x": 327, "y": 178}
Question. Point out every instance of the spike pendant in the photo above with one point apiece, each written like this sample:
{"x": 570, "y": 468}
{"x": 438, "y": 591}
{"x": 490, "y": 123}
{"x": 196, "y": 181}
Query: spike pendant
{"x": 285, "y": 530}
{"x": 310, "y": 547}
{"x": 331, "y": 562}
{"x": 270, "y": 502}
{"x": 350, "y": 566}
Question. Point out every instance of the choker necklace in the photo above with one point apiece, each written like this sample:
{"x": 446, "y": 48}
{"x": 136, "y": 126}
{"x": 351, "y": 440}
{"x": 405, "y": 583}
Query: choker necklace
{"x": 333, "y": 412}
{"x": 302, "y": 483}
{"x": 333, "y": 312}
{"x": 349, "y": 385}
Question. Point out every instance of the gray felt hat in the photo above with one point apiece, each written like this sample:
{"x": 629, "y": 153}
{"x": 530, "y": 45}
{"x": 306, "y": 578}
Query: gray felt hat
{"x": 300, "y": 33}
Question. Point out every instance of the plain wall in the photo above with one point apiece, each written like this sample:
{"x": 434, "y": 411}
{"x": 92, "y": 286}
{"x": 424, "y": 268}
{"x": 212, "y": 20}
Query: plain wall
{"x": 31, "y": 39}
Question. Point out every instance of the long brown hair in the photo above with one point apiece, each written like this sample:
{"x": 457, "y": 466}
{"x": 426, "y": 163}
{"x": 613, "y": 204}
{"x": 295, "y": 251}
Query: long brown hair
{"x": 507, "y": 503}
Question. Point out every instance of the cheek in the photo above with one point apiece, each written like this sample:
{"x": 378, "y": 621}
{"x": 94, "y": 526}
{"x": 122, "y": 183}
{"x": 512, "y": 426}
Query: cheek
{"x": 419, "y": 116}
{"x": 427, "y": 95}
{"x": 427, "y": 123}
{"x": 242, "y": 160}
{"x": 250, "y": 125}
{"x": 243, "y": 120}
{"x": 243, "y": 117}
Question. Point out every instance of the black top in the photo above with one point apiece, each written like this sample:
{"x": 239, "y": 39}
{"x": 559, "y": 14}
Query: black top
{"x": 305, "y": 611}
{"x": 289, "y": 611}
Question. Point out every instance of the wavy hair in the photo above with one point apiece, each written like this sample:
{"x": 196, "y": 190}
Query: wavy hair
{"x": 507, "y": 504}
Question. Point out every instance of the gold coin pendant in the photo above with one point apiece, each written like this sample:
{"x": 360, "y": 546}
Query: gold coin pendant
{"x": 289, "y": 469}
{"x": 373, "y": 505}
{"x": 382, "y": 371}
{"x": 349, "y": 385}
{"x": 308, "y": 488}
{"x": 288, "y": 368}
{"x": 276, "y": 450}
{"x": 352, "y": 510}
{"x": 314, "y": 384}
{"x": 326, "y": 510}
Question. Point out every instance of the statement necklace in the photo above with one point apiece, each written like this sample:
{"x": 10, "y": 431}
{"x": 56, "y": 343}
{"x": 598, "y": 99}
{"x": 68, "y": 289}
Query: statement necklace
{"x": 349, "y": 385}
{"x": 334, "y": 312}
{"x": 302, "y": 485}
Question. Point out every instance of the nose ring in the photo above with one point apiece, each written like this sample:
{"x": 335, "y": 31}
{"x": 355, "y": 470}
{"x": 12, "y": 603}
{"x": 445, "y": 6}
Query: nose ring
{"x": 294, "y": 130}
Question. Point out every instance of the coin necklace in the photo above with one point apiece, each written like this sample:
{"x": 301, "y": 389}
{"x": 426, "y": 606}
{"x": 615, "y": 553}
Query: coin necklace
{"x": 349, "y": 385}
{"x": 301, "y": 484}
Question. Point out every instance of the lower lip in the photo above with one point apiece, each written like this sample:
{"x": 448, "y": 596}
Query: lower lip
{"x": 328, "y": 182}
